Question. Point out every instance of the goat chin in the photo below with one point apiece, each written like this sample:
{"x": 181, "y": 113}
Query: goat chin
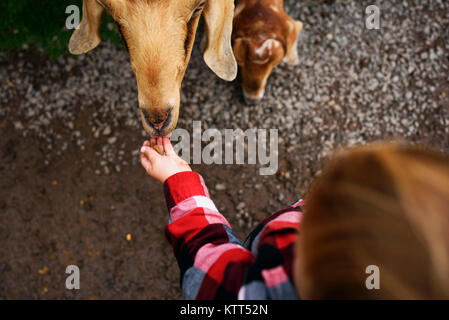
{"x": 253, "y": 98}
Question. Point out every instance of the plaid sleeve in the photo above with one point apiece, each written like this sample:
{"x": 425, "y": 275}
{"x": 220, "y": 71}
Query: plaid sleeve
{"x": 214, "y": 264}
{"x": 272, "y": 242}
{"x": 211, "y": 258}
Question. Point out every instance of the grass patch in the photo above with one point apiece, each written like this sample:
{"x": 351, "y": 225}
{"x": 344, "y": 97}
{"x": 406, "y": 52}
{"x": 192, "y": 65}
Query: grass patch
{"x": 41, "y": 23}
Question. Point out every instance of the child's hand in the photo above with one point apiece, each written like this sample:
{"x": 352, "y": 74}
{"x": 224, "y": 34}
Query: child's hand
{"x": 161, "y": 167}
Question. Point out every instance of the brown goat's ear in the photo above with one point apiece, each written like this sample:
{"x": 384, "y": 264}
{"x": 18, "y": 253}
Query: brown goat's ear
{"x": 218, "y": 55}
{"x": 239, "y": 49}
{"x": 292, "y": 49}
{"x": 87, "y": 36}
{"x": 299, "y": 25}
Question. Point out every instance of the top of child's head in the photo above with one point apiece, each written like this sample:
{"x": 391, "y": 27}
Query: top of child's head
{"x": 375, "y": 226}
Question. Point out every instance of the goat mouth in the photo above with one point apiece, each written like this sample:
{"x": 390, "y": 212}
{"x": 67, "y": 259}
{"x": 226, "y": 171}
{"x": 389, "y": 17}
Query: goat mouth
{"x": 251, "y": 97}
{"x": 162, "y": 131}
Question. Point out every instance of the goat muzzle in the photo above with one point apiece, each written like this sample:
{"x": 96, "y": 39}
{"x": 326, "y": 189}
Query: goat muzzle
{"x": 158, "y": 120}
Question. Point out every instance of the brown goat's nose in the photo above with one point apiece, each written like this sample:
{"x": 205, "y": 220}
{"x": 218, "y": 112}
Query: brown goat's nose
{"x": 158, "y": 119}
{"x": 157, "y": 123}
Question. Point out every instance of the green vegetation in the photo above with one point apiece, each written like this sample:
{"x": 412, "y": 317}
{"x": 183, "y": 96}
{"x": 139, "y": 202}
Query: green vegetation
{"x": 41, "y": 23}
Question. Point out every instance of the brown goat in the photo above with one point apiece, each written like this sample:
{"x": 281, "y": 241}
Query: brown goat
{"x": 159, "y": 35}
{"x": 263, "y": 34}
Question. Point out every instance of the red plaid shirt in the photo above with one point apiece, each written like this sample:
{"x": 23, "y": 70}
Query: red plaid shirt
{"x": 215, "y": 264}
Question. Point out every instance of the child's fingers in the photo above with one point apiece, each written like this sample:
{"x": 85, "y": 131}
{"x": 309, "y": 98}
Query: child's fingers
{"x": 146, "y": 164}
{"x": 153, "y": 141}
{"x": 160, "y": 143}
{"x": 149, "y": 153}
{"x": 168, "y": 147}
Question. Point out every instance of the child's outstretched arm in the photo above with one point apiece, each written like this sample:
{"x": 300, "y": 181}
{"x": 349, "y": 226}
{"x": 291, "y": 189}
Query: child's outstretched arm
{"x": 211, "y": 258}
{"x": 214, "y": 264}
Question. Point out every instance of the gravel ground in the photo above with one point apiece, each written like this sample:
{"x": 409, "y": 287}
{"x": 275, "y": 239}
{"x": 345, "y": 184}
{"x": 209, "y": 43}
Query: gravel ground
{"x": 79, "y": 118}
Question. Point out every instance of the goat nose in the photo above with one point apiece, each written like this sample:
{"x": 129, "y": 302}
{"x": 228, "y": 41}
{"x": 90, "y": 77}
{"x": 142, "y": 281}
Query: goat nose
{"x": 156, "y": 123}
{"x": 157, "y": 120}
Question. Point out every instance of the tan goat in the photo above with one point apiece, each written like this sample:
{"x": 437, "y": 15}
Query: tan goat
{"x": 159, "y": 35}
{"x": 263, "y": 34}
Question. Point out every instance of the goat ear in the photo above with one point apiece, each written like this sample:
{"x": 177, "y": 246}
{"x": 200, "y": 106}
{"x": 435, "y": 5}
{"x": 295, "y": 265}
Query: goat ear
{"x": 239, "y": 49}
{"x": 87, "y": 36}
{"x": 299, "y": 25}
{"x": 292, "y": 50}
{"x": 218, "y": 55}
